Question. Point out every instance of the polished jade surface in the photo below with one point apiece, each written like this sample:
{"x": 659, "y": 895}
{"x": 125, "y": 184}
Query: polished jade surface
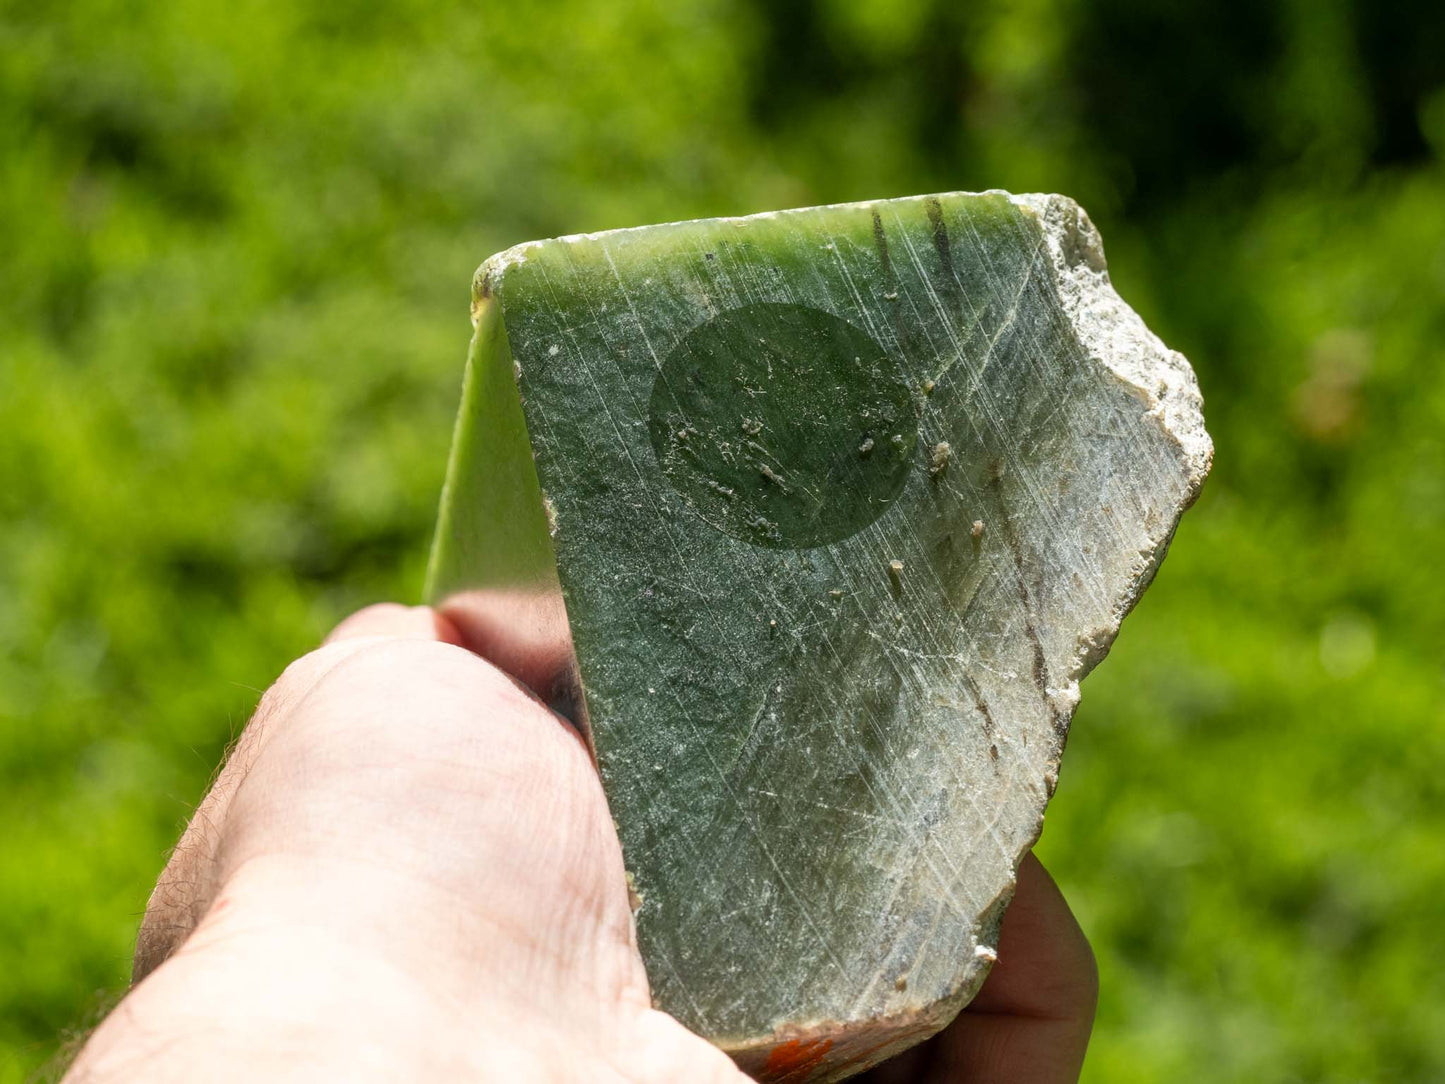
{"x": 840, "y": 504}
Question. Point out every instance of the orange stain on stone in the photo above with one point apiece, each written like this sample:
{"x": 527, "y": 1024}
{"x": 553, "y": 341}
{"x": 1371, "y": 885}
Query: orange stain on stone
{"x": 794, "y": 1061}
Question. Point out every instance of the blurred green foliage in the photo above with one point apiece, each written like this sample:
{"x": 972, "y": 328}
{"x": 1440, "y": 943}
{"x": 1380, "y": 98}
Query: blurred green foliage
{"x": 235, "y": 248}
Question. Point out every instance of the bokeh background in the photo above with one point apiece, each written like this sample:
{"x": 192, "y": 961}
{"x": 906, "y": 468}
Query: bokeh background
{"x": 236, "y": 242}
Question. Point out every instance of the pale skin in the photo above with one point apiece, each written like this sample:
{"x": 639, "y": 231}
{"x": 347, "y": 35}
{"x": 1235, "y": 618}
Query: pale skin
{"x": 406, "y": 870}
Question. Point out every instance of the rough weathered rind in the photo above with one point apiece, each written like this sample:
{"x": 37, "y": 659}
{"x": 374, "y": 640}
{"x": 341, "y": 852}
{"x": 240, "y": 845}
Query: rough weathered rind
{"x": 842, "y": 503}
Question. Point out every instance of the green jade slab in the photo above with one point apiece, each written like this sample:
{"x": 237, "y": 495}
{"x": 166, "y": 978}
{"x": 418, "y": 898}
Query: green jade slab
{"x": 813, "y": 521}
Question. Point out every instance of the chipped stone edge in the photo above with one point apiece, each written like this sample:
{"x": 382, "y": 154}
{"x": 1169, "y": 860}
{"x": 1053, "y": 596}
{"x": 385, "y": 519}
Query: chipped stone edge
{"x": 1116, "y": 338}
{"x": 845, "y": 1048}
{"x": 1114, "y": 335}
{"x": 827, "y": 1053}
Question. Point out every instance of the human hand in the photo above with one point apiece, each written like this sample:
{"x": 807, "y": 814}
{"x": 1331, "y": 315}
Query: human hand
{"x": 406, "y": 869}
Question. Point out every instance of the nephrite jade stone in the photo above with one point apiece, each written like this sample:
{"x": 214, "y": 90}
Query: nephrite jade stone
{"x": 813, "y": 521}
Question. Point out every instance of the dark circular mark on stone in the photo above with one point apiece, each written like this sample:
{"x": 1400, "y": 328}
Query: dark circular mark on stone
{"x": 758, "y": 417}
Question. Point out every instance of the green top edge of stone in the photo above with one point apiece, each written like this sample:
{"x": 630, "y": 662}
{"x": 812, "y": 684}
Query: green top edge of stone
{"x": 489, "y": 275}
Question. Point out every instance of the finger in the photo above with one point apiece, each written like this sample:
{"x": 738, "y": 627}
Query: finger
{"x": 524, "y": 634}
{"x": 1030, "y": 1022}
{"x": 397, "y": 621}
